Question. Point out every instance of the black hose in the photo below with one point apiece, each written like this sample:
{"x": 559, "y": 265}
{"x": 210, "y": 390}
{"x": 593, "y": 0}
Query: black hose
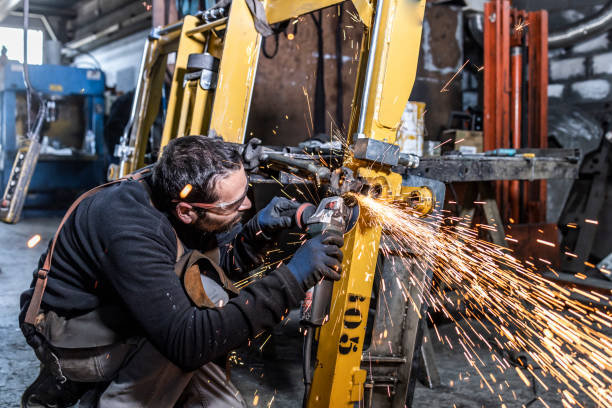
{"x": 308, "y": 339}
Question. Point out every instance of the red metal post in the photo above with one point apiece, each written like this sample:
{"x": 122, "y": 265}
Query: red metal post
{"x": 490, "y": 73}
{"x": 516, "y": 117}
{"x": 497, "y": 84}
{"x": 537, "y": 41}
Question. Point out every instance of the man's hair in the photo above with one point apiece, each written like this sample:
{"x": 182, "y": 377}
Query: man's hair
{"x": 196, "y": 160}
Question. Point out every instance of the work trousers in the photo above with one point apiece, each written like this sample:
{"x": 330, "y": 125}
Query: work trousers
{"x": 136, "y": 375}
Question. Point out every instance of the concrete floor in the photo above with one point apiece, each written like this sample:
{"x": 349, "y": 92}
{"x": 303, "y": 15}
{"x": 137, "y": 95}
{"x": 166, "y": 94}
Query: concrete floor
{"x": 264, "y": 376}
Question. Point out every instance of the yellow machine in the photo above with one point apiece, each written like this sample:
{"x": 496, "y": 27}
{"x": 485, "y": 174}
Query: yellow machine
{"x": 216, "y": 62}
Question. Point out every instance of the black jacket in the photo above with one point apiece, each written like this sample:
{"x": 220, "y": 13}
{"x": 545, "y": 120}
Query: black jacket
{"x": 118, "y": 249}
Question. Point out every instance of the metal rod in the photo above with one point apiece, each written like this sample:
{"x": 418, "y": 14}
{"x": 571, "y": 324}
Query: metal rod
{"x": 168, "y": 29}
{"x": 124, "y": 141}
{"x": 515, "y": 110}
{"x": 600, "y": 22}
{"x": 26, "y": 77}
{"x": 208, "y": 26}
{"x": 369, "y": 70}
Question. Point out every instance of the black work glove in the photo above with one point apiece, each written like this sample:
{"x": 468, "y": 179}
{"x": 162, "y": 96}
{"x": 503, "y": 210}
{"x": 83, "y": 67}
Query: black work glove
{"x": 319, "y": 257}
{"x": 278, "y": 215}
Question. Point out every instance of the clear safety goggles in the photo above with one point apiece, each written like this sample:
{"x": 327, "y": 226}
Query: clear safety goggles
{"x": 220, "y": 208}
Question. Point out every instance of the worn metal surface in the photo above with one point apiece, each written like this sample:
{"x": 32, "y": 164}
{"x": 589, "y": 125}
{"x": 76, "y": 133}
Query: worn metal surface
{"x": 579, "y": 220}
{"x": 376, "y": 151}
{"x": 395, "y": 335}
{"x": 481, "y": 168}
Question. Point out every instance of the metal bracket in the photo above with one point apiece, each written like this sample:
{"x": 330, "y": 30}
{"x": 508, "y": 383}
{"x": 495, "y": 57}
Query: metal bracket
{"x": 376, "y": 151}
{"x": 208, "y": 79}
{"x": 123, "y": 151}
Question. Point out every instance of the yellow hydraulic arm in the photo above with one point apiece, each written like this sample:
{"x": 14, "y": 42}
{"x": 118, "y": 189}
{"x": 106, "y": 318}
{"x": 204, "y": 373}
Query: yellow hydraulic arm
{"x": 387, "y": 70}
{"x": 219, "y": 102}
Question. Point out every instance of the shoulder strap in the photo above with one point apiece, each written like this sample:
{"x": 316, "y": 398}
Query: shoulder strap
{"x": 41, "y": 278}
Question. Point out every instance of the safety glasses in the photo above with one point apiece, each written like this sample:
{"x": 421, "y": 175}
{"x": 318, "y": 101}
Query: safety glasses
{"x": 220, "y": 208}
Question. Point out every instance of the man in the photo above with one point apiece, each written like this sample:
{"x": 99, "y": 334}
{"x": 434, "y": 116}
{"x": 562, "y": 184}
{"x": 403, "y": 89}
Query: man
{"x": 117, "y": 323}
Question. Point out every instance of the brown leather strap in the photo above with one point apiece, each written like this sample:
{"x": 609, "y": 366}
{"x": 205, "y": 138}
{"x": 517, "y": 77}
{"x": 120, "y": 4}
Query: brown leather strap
{"x": 41, "y": 280}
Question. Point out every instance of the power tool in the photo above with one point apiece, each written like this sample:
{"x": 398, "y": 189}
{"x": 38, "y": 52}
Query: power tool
{"x": 332, "y": 216}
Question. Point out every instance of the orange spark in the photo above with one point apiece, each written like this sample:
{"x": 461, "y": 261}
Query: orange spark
{"x": 32, "y": 242}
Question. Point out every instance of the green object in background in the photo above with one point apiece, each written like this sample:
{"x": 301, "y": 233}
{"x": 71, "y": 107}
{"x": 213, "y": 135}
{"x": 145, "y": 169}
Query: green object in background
{"x": 501, "y": 152}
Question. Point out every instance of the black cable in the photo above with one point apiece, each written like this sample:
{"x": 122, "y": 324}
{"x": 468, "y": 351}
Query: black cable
{"x": 263, "y": 47}
{"x": 277, "y": 28}
{"x": 307, "y": 360}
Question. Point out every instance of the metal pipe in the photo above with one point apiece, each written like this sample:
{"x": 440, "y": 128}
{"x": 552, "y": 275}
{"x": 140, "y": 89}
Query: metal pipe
{"x": 26, "y": 76}
{"x": 516, "y": 96}
{"x": 587, "y": 28}
{"x": 124, "y": 141}
{"x": 168, "y": 29}
{"x": 207, "y": 26}
{"x": 369, "y": 70}
{"x": 107, "y": 31}
{"x": 42, "y": 18}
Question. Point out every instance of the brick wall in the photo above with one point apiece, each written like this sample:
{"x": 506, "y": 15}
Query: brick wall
{"x": 581, "y": 75}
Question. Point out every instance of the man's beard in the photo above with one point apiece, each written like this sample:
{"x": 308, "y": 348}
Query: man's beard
{"x": 205, "y": 224}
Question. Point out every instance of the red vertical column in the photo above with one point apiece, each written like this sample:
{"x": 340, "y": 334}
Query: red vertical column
{"x": 497, "y": 84}
{"x": 537, "y": 106}
{"x": 516, "y": 119}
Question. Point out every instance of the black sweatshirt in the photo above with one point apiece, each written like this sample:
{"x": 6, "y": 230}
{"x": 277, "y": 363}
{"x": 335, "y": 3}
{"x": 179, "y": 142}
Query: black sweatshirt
{"x": 117, "y": 249}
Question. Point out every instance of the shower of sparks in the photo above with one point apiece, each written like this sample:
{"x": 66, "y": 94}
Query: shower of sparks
{"x": 530, "y": 314}
{"x": 445, "y": 87}
{"x": 514, "y": 308}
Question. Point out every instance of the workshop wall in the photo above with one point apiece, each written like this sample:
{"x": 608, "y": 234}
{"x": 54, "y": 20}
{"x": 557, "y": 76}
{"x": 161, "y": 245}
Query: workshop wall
{"x": 581, "y": 74}
{"x": 440, "y": 57}
{"x": 283, "y": 97}
{"x": 282, "y": 108}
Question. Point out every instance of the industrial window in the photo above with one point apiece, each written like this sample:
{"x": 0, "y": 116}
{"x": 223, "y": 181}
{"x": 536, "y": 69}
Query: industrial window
{"x": 12, "y": 39}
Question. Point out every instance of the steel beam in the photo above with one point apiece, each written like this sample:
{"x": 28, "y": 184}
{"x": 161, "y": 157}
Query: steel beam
{"x": 451, "y": 169}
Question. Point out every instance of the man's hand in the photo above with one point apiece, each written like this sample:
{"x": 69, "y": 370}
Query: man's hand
{"x": 318, "y": 258}
{"x": 278, "y": 215}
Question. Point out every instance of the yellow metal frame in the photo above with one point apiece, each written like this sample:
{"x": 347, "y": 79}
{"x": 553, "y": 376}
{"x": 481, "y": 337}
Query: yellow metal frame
{"x": 338, "y": 378}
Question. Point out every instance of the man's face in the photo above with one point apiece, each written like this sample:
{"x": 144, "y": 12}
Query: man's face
{"x": 230, "y": 189}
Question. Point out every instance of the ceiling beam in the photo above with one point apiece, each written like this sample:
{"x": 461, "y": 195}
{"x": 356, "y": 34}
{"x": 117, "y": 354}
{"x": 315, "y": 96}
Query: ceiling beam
{"x": 6, "y": 6}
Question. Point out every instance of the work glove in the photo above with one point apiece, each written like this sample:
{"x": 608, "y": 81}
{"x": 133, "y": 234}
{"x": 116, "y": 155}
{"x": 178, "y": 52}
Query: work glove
{"x": 278, "y": 215}
{"x": 319, "y": 257}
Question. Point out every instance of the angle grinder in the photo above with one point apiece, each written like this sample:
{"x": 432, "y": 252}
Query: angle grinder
{"x": 332, "y": 216}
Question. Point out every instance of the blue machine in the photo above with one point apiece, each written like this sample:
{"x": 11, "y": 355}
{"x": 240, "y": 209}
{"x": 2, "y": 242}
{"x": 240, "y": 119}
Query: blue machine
{"x": 74, "y": 159}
